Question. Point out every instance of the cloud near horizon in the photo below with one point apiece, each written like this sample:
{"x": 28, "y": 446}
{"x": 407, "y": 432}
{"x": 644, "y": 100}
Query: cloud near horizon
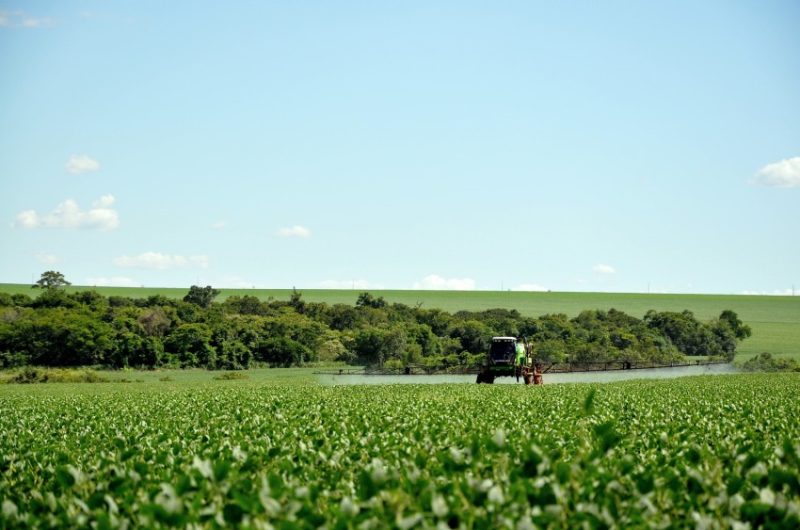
{"x": 294, "y": 231}
{"x": 78, "y": 164}
{"x": 602, "y": 268}
{"x": 69, "y": 215}
{"x": 530, "y": 287}
{"x": 361, "y": 285}
{"x": 114, "y": 281}
{"x": 783, "y": 174}
{"x": 159, "y": 261}
{"x": 434, "y": 282}
{"x": 46, "y": 259}
{"x": 776, "y": 292}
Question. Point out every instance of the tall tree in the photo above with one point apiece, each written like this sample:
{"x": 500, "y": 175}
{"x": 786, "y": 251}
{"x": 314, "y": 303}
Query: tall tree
{"x": 51, "y": 280}
{"x": 202, "y": 296}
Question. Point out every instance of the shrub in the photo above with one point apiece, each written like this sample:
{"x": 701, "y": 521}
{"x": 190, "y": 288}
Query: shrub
{"x": 230, "y": 376}
{"x": 31, "y": 374}
{"x": 765, "y": 362}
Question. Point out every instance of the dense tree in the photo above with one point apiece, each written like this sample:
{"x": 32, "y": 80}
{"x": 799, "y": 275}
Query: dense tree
{"x": 54, "y": 298}
{"x": 281, "y": 351}
{"x": 134, "y": 347}
{"x": 245, "y": 305}
{"x": 376, "y": 345}
{"x": 86, "y": 328}
{"x": 739, "y": 328}
{"x": 6, "y": 300}
{"x": 473, "y": 334}
{"x": 366, "y": 299}
{"x": 201, "y": 296}
{"x": 341, "y": 317}
{"x": 154, "y": 321}
{"x": 58, "y": 337}
{"x": 190, "y": 345}
{"x": 296, "y": 301}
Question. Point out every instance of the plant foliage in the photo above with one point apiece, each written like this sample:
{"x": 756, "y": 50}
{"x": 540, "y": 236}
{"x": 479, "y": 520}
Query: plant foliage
{"x": 709, "y": 452}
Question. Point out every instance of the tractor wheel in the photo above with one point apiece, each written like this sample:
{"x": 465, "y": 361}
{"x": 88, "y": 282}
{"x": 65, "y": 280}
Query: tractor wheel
{"x": 485, "y": 377}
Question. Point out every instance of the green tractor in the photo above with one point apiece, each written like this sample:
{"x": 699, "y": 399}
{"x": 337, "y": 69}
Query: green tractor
{"x": 510, "y": 356}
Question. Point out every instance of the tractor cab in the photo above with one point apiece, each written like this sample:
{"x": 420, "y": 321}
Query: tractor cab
{"x": 503, "y": 351}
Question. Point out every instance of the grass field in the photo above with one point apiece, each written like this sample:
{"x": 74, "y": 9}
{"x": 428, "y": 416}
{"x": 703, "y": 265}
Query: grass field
{"x": 775, "y": 319}
{"x": 130, "y": 379}
{"x": 704, "y": 452}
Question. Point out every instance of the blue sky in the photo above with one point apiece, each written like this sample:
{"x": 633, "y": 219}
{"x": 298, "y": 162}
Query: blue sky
{"x": 571, "y": 146}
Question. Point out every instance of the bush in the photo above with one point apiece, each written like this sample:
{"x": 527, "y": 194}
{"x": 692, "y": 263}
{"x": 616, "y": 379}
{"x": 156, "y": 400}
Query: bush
{"x": 230, "y": 376}
{"x": 393, "y": 364}
{"x": 31, "y": 374}
{"x": 765, "y": 362}
{"x": 12, "y": 359}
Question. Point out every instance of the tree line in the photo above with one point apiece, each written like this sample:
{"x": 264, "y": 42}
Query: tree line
{"x": 85, "y": 328}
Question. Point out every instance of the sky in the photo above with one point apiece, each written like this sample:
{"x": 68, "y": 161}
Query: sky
{"x": 565, "y": 146}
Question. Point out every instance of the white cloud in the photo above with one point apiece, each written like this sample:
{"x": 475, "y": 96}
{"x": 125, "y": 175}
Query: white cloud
{"x": 158, "y": 261}
{"x": 361, "y": 285}
{"x": 219, "y": 225}
{"x": 78, "y": 164}
{"x": 69, "y": 215}
{"x": 602, "y": 268}
{"x": 18, "y": 19}
{"x": 295, "y": 231}
{"x": 437, "y": 283}
{"x": 46, "y": 259}
{"x": 114, "y": 281}
{"x": 530, "y": 287}
{"x": 27, "y": 219}
{"x": 783, "y": 174}
{"x": 106, "y": 201}
{"x": 234, "y": 282}
{"x": 777, "y": 292}
{"x": 36, "y": 22}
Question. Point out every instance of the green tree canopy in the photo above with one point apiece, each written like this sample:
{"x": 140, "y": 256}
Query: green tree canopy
{"x": 51, "y": 280}
{"x": 201, "y": 296}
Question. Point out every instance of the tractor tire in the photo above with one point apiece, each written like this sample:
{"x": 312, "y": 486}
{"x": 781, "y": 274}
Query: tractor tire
{"x": 485, "y": 377}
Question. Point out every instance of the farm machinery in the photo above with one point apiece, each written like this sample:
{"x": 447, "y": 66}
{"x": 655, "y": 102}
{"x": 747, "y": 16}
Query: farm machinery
{"x": 510, "y": 356}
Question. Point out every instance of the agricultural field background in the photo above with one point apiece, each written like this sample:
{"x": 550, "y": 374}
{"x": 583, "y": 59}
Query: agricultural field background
{"x": 775, "y": 320}
{"x": 277, "y": 451}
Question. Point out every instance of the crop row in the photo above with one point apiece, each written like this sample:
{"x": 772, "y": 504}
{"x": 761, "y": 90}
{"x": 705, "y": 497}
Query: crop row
{"x": 708, "y": 452}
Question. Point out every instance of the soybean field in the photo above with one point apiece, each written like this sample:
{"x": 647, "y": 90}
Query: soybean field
{"x": 708, "y": 452}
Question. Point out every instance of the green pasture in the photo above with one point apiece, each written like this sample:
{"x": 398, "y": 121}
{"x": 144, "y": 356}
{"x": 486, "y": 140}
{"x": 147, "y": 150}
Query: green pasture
{"x": 775, "y": 319}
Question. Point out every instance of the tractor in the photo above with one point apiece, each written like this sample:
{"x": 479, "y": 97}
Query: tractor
{"x": 510, "y": 356}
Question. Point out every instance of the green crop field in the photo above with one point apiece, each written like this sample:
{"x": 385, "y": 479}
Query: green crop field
{"x": 705, "y": 452}
{"x": 775, "y": 319}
